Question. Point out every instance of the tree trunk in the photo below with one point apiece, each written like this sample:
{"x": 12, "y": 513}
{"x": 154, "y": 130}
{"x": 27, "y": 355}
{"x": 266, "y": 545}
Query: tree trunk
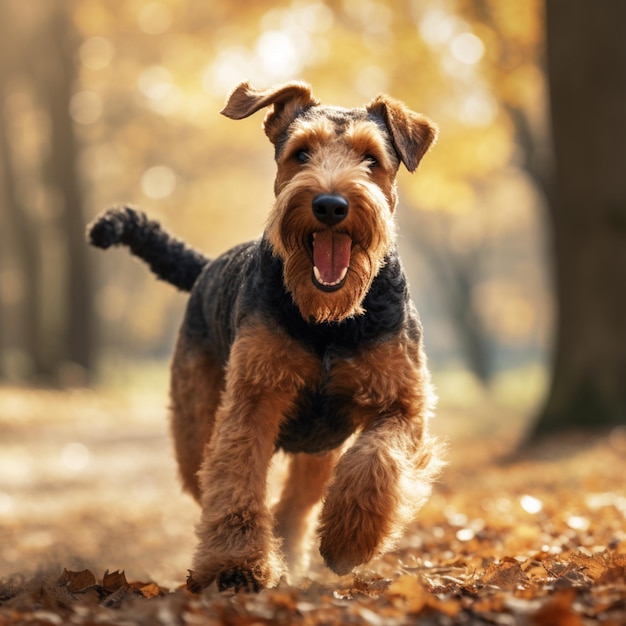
{"x": 38, "y": 45}
{"x": 17, "y": 217}
{"x": 456, "y": 276}
{"x": 56, "y": 81}
{"x": 586, "y": 54}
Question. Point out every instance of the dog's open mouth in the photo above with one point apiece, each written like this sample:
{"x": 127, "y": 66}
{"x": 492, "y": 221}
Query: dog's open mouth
{"x": 331, "y": 259}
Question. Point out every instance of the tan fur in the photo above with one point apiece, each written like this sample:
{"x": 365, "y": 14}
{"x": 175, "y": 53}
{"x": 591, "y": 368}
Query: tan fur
{"x": 305, "y": 485}
{"x": 385, "y": 477}
{"x": 335, "y": 168}
{"x": 236, "y": 528}
{"x": 195, "y": 391}
{"x": 227, "y": 419}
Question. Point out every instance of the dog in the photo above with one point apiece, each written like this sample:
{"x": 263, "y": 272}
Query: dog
{"x": 306, "y": 341}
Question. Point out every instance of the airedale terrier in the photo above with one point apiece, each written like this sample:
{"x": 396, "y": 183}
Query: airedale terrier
{"x": 296, "y": 342}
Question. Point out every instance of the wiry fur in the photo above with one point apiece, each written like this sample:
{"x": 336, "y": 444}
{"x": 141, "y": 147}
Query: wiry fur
{"x": 169, "y": 258}
{"x": 270, "y": 358}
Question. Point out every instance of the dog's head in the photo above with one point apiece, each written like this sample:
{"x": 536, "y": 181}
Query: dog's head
{"x": 332, "y": 224}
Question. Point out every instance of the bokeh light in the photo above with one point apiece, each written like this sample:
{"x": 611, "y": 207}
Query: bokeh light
{"x": 155, "y": 18}
{"x": 86, "y": 107}
{"x": 158, "y": 182}
{"x": 75, "y": 456}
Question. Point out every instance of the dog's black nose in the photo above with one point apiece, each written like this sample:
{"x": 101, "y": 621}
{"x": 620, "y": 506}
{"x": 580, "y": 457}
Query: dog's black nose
{"x": 330, "y": 208}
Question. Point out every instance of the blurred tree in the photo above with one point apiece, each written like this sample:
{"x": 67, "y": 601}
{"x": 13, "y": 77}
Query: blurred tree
{"x": 149, "y": 78}
{"x": 587, "y": 76}
{"x": 55, "y": 74}
{"x": 458, "y": 274}
{"x": 42, "y": 200}
{"x": 19, "y": 230}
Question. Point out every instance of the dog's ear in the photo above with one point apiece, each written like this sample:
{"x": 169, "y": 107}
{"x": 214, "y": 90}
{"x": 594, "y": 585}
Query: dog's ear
{"x": 411, "y": 133}
{"x": 286, "y": 101}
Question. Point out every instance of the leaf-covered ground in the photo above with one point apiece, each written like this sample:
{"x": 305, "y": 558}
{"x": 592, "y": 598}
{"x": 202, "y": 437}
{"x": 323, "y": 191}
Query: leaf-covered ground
{"x": 94, "y": 529}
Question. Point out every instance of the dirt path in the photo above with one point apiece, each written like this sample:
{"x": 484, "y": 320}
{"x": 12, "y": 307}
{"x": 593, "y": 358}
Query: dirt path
{"x": 88, "y": 480}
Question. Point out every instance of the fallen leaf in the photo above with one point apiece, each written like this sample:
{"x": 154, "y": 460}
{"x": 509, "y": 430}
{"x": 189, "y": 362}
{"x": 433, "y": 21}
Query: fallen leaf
{"x": 506, "y": 575}
{"x": 75, "y": 582}
{"x": 114, "y": 581}
{"x": 148, "y": 590}
{"x": 593, "y": 566}
{"x": 413, "y": 594}
{"x": 558, "y": 611}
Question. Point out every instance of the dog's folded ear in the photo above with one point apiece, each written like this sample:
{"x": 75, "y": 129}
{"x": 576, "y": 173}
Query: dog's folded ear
{"x": 286, "y": 101}
{"x": 411, "y": 133}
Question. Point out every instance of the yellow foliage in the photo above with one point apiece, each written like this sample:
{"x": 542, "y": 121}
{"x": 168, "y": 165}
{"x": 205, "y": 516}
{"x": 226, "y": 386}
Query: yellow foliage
{"x": 153, "y": 75}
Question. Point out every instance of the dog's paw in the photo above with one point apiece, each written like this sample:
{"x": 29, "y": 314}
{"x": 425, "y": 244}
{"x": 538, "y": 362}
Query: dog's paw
{"x": 196, "y": 583}
{"x": 348, "y": 537}
{"x": 238, "y": 579}
{"x": 340, "y": 561}
{"x": 233, "y": 579}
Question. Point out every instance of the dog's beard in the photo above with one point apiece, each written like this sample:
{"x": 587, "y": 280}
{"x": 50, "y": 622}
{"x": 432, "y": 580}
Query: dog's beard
{"x": 358, "y": 246}
{"x": 318, "y": 305}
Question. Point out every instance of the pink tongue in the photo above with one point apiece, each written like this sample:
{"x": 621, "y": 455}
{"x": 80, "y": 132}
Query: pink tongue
{"x": 331, "y": 254}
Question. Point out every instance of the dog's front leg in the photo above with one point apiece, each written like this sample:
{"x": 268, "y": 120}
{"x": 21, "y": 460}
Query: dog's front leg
{"x": 378, "y": 486}
{"x": 266, "y": 369}
{"x": 385, "y": 477}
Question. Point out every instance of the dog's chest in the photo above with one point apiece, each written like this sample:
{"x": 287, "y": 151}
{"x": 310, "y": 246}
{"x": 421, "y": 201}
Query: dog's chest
{"x": 323, "y": 415}
{"x": 320, "y": 422}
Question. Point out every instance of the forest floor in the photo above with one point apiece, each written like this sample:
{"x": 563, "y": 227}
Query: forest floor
{"x": 94, "y": 528}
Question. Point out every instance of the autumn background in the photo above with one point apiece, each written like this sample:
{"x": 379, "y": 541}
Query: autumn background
{"x": 513, "y": 234}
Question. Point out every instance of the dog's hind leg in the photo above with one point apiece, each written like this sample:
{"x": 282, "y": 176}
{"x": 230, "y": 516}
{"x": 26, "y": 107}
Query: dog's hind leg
{"x": 303, "y": 489}
{"x": 197, "y": 380}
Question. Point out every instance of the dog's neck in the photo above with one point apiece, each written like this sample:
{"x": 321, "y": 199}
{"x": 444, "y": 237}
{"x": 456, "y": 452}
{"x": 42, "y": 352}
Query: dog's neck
{"x": 385, "y": 306}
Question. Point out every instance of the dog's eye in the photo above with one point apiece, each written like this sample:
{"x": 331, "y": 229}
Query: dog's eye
{"x": 371, "y": 161}
{"x": 303, "y": 156}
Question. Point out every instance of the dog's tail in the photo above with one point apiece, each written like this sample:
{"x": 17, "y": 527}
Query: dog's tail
{"x": 170, "y": 259}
